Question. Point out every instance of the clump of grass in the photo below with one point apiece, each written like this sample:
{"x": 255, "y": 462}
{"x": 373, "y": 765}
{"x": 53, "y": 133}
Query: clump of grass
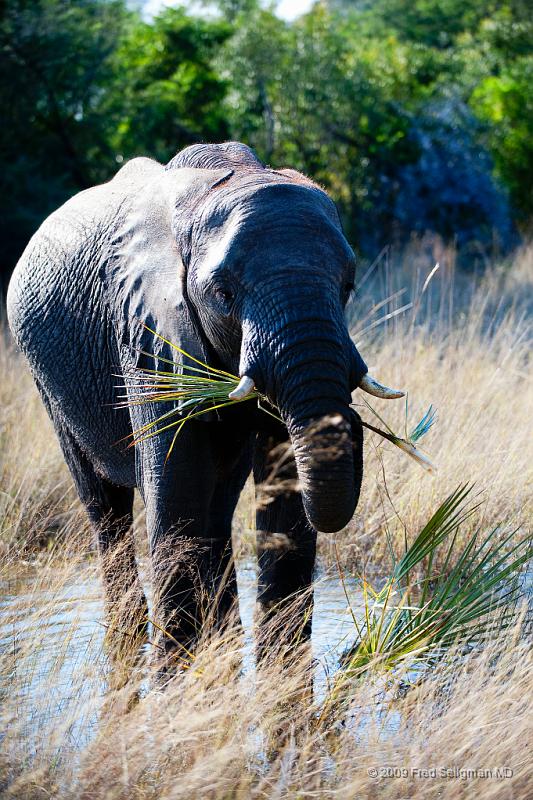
{"x": 199, "y": 389}
{"x": 469, "y": 351}
{"x": 407, "y": 444}
{"x": 467, "y": 604}
{"x": 206, "y": 735}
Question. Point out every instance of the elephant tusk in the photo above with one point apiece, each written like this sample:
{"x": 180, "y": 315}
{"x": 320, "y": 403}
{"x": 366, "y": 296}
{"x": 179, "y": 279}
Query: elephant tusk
{"x": 371, "y": 386}
{"x": 245, "y": 387}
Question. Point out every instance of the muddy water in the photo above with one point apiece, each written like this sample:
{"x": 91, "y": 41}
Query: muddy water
{"x": 53, "y": 661}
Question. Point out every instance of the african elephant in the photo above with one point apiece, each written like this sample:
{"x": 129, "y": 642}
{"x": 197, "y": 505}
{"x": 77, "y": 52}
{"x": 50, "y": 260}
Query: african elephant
{"x": 246, "y": 268}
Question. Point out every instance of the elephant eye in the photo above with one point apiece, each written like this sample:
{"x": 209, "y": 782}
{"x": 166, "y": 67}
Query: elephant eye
{"x": 224, "y": 294}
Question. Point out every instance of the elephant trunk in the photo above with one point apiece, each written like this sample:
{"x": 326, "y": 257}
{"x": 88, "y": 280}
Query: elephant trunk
{"x": 309, "y": 376}
{"x": 320, "y": 431}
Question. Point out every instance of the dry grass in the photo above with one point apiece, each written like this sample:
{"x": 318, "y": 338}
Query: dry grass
{"x": 37, "y": 499}
{"x": 474, "y": 367}
{"x": 216, "y": 732}
{"x": 219, "y": 732}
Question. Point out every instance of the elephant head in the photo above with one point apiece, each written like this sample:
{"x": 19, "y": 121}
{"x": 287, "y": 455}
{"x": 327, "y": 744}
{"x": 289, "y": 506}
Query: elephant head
{"x": 265, "y": 274}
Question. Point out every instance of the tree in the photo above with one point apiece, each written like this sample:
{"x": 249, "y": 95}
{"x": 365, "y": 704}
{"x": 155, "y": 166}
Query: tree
{"x": 165, "y": 93}
{"x": 413, "y": 115}
{"x": 55, "y": 61}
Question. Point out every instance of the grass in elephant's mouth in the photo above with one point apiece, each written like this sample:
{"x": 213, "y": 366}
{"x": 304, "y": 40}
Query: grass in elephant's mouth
{"x": 200, "y": 388}
{"x": 193, "y": 392}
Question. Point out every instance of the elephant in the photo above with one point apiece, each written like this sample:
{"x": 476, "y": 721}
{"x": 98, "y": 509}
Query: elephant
{"x": 247, "y": 269}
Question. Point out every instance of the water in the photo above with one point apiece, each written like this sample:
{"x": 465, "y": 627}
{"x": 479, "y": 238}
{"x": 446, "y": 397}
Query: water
{"x": 51, "y": 643}
{"x": 54, "y": 673}
{"x": 53, "y": 661}
{"x": 333, "y": 628}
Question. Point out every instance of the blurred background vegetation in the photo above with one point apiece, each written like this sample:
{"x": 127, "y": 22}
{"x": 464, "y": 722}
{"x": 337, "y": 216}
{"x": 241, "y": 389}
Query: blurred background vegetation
{"x": 416, "y": 116}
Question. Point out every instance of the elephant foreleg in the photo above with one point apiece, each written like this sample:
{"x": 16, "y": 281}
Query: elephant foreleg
{"x": 177, "y": 495}
{"x": 189, "y": 512}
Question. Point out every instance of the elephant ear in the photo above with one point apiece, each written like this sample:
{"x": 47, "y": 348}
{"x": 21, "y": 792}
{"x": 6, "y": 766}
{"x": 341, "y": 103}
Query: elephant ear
{"x": 143, "y": 273}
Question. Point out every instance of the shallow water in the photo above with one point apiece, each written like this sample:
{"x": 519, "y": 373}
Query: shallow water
{"x": 55, "y": 674}
{"x": 52, "y": 643}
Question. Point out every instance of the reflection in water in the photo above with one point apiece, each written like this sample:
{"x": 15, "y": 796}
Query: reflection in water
{"x": 333, "y": 628}
{"x": 62, "y": 671}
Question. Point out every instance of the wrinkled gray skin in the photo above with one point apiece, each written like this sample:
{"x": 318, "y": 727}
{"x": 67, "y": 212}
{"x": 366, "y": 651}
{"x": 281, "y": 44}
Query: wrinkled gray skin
{"x": 246, "y": 268}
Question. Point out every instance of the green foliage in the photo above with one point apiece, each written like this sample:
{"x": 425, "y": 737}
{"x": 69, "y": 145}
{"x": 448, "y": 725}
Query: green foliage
{"x": 438, "y": 596}
{"x": 166, "y": 93}
{"x": 54, "y": 58}
{"x": 434, "y": 23}
{"x": 505, "y": 103}
{"x": 323, "y": 100}
{"x": 382, "y": 102}
{"x": 371, "y": 102}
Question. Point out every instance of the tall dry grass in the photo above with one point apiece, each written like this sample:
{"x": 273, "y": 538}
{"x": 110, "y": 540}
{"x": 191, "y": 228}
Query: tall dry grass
{"x": 218, "y": 731}
{"x": 37, "y": 499}
{"x": 466, "y": 350}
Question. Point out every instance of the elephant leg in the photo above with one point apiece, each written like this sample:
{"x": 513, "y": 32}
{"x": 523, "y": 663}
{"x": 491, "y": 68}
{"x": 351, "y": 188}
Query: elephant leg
{"x": 177, "y": 495}
{"x": 286, "y": 546}
{"x": 109, "y": 508}
{"x": 222, "y": 571}
{"x": 189, "y": 510}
